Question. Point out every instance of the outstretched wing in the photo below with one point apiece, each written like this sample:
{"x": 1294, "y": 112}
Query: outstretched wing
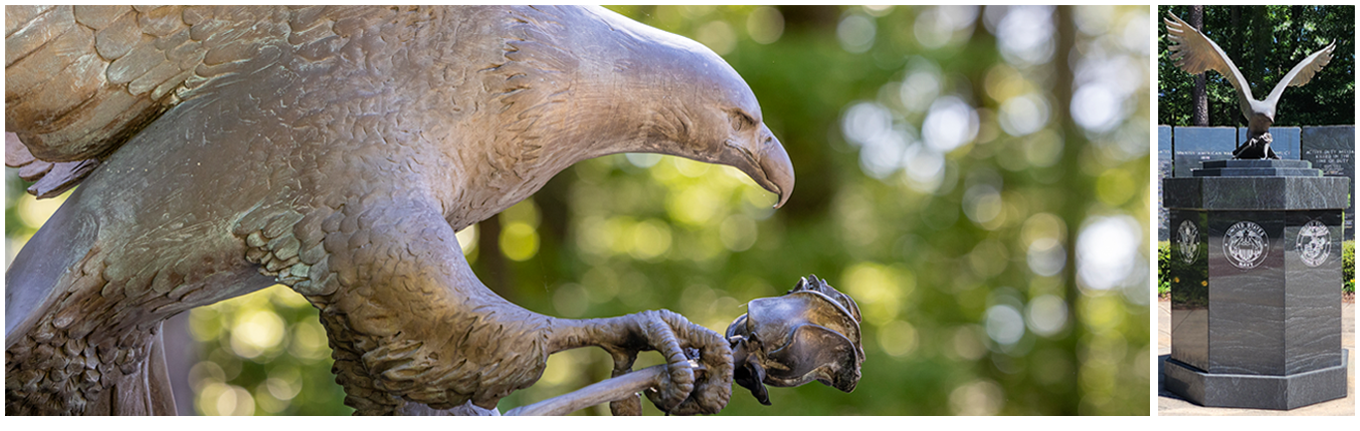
{"x": 1302, "y": 73}
{"x": 1195, "y": 54}
{"x": 81, "y": 80}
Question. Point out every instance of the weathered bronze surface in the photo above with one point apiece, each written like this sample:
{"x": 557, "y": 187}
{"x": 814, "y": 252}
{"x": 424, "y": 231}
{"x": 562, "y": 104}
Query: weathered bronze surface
{"x": 1195, "y": 53}
{"x": 336, "y": 150}
{"x": 810, "y": 333}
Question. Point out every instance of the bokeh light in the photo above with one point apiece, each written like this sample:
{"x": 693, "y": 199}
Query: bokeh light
{"x": 949, "y": 124}
{"x": 765, "y": 24}
{"x": 856, "y": 33}
{"x": 1107, "y": 250}
{"x": 1024, "y": 33}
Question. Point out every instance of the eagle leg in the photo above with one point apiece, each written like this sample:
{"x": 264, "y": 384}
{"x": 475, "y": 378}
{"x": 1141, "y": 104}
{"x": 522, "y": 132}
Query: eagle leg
{"x": 409, "y": 321}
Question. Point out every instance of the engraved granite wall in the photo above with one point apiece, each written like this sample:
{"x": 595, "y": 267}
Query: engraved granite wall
{"x": 1193, "y": 145}
{"x": 1332, "y": 149}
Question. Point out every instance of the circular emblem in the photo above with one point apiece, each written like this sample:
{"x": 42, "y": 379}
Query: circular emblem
{"x": 1188, "y": 242}
{"x": 1314, "y": 243}
{"x": 1246, "y": 245}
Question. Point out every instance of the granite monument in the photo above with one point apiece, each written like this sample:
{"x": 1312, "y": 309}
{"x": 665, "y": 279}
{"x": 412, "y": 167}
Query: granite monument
{"x": 1256, "y": 257}
{"x": 1256, "y": 285}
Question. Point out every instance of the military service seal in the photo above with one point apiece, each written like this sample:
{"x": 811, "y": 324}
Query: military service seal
{"x": 1314, "y": 243}
{"x": 1188, "y": 242}
{"x": 1246, "y": 245}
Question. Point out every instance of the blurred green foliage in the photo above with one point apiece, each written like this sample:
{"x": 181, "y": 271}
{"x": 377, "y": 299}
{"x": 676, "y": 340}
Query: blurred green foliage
{"x": 263, "y": 353}
{"x": 996, "y": 244}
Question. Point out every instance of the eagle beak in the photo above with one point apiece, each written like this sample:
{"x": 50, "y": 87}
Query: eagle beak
{"x": 772, "y": 168}
{"x": 778, "y": 171}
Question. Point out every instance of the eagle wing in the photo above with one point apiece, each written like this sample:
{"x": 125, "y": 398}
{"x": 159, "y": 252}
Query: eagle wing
{"x": 82, "y": 80}
{"x": 1194, "y": 53}
{"x": 1302, "y": 72}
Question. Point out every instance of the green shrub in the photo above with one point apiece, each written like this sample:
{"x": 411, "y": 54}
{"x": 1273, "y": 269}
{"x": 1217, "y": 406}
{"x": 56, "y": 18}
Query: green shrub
{"x": 1348, "y": 266}
{"x": 1163, "y": 268}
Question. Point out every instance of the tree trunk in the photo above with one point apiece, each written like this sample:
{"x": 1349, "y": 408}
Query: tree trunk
{"x": 490, "y": 265}
{"x": 1199, "y": 97}
{"x": 1261, "y": 43}
{"x": 1073, "y": 206}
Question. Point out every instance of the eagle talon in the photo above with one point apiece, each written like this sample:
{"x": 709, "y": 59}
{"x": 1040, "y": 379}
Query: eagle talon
{"x": 684, "y": 391}
{"x": 810, "y": 333}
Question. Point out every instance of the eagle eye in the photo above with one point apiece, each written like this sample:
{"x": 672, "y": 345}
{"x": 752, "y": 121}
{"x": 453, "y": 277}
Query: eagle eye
{"x": 740, "y": 121}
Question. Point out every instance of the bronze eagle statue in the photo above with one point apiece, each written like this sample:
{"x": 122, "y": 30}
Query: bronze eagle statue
{"x": 1194, "y": 53}
{"x": 336, "y": 150}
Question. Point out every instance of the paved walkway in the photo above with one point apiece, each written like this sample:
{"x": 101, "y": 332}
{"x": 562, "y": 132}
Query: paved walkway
{"x": 1169, "y": 404}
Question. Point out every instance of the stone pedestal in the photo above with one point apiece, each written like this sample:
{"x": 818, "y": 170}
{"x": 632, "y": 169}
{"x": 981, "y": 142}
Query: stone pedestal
{"x": 1256, "y": 284}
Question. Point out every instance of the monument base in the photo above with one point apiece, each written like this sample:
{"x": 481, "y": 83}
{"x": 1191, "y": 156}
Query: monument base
{"x": 1256, "y": 285}
{"x": 1256, "y": 391}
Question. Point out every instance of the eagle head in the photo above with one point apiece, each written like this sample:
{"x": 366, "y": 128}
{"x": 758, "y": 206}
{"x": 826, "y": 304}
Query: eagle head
{"x": 666, "y": 94}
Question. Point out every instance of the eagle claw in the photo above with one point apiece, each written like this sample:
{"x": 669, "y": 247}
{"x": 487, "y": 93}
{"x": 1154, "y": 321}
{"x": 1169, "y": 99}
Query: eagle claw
{"x": 684, "y": 392}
